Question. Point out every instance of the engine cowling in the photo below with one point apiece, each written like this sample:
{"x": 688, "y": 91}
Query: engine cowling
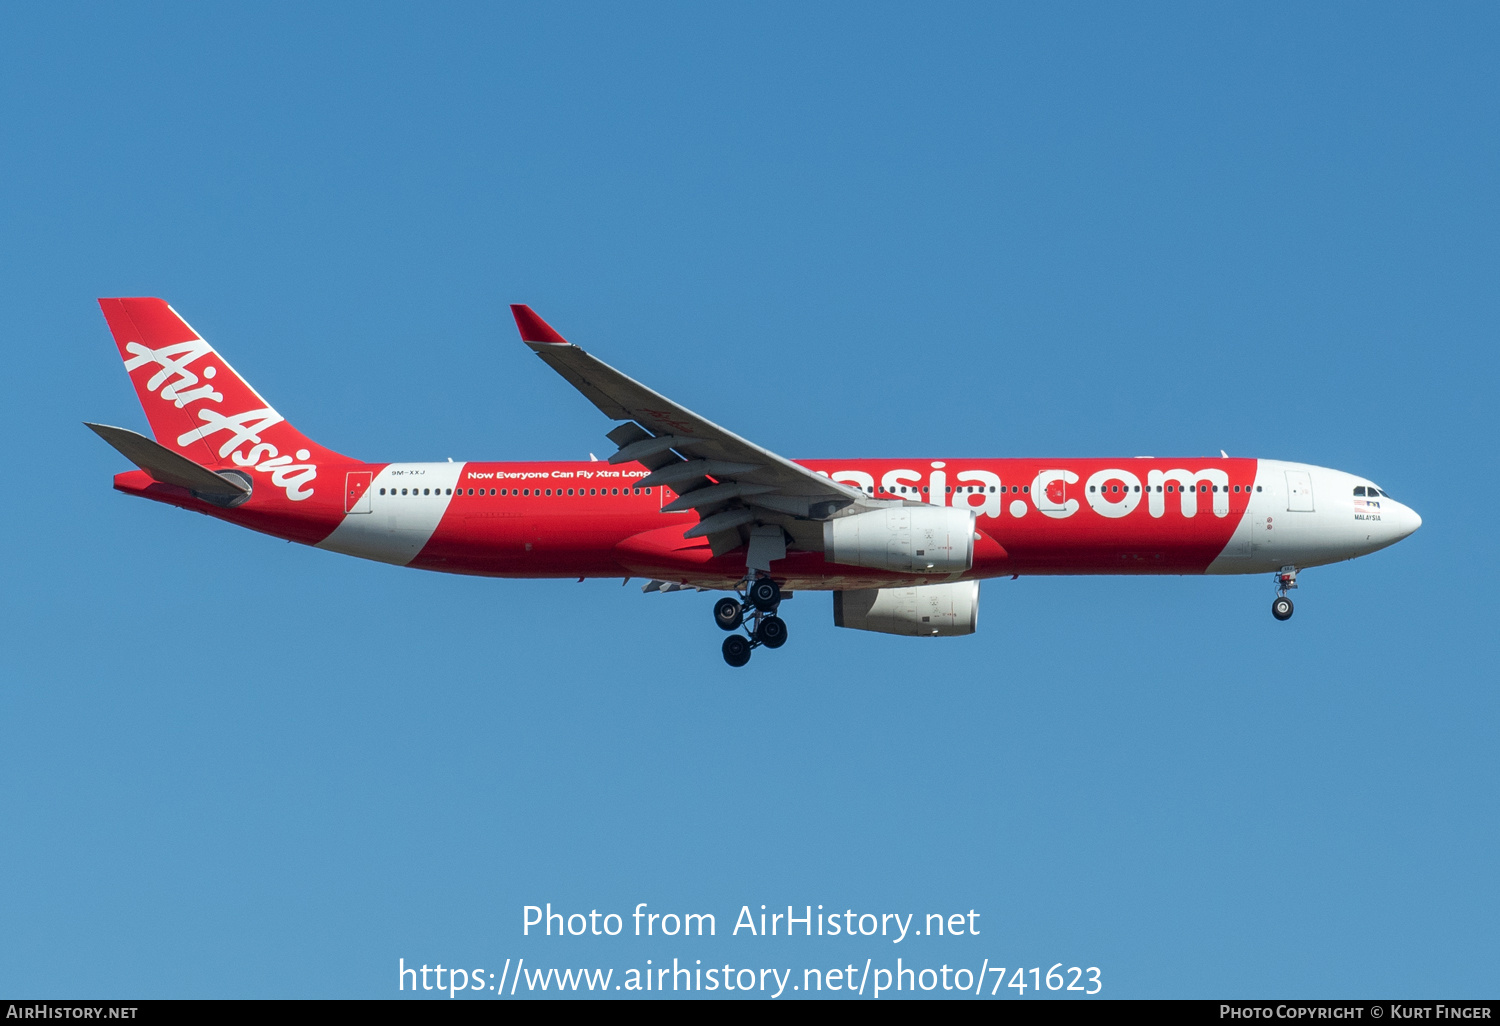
{"x": 926, "y": 611}
{"x": 910, "y": 539}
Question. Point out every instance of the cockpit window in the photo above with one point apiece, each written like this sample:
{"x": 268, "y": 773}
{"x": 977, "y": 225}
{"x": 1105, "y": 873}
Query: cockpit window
{"x": 1359, "y": 489}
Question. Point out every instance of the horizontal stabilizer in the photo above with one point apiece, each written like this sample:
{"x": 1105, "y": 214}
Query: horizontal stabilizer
{"x": 168, "y": 467}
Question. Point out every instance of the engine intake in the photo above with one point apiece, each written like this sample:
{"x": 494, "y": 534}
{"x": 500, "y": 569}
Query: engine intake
{"x": 909, "y": 539}
{"x": 929, "y": 610}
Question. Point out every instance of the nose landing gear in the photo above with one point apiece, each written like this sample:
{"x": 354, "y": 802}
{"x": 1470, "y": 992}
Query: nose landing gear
{"x": 1286, "y": 580}
{"x": 755, "y": 612}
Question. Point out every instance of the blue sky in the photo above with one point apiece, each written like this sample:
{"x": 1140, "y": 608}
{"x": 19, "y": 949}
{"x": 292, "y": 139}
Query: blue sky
{"x": 236, "y": 767}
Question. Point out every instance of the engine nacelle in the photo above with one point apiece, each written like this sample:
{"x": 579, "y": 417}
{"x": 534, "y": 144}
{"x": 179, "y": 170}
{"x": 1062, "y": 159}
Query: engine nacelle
{"x": 911, "y": 539}
{"x": 928, "y": 610}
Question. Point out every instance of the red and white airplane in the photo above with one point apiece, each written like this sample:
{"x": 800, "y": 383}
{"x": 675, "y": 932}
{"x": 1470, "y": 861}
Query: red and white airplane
{"x": 684, "y": 503}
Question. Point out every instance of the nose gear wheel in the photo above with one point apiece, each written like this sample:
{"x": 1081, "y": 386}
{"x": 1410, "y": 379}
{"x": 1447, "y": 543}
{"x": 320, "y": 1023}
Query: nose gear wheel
{"x": 1286, "y": 580}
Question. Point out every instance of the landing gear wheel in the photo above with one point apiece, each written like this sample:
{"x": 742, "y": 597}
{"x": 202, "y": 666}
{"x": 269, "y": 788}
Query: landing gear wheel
{"x": 736, "y": 650}
{"x": 765, "y": 595}
{"x": 1282, "y": 608}
{"x": 771, "y": 632}
{"x": 727, "y": 614}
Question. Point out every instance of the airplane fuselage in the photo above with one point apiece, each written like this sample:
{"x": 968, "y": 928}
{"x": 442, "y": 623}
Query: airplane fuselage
{"x": 1034, "y": 516}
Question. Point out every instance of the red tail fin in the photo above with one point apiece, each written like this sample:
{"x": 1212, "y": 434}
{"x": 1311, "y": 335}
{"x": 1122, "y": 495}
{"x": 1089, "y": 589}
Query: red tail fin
{"x": 198, "y": 406}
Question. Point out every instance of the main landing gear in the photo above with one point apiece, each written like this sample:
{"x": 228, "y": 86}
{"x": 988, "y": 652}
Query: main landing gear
{"x": 758, "y": 603}
{"x": 1286, "y": 580}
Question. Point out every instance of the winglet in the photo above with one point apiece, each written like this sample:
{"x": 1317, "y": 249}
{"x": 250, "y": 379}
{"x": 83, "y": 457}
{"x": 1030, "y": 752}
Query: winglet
{"x": 533, "y": 328}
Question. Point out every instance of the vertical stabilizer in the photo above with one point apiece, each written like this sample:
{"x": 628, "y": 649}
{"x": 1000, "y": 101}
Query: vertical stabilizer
{"x": 199, "y": 407}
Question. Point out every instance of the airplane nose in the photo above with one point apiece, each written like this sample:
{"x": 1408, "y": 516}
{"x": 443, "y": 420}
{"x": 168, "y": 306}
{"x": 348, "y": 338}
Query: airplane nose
{"x": 1410, "y": 521}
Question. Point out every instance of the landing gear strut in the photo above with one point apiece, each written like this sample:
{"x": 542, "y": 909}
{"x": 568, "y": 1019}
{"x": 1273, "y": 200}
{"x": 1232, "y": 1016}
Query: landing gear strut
{"x": 1286, "y": 580}
{"x": 755, "y": 612}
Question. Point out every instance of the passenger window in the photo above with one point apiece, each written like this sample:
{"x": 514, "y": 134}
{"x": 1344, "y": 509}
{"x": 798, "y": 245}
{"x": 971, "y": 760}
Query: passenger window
{"x": 403, "y": 491}
{"x": 1257, "y": 488}
{"x": 382, "y": 491}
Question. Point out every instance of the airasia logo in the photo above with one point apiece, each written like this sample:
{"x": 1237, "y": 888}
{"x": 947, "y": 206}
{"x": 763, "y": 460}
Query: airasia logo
{"x": 1112, "y": 492}
{"x": 180, "y": 385}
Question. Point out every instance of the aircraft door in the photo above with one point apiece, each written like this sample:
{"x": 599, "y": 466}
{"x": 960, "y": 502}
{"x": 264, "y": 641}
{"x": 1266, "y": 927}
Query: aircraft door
{"x": 1050, "y": 492}
{"x": 1299, "y": 494}
{"x": 357, "y": 491}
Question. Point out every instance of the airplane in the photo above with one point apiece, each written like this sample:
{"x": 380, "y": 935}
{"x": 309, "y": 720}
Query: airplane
{"x": 688, "y": 505}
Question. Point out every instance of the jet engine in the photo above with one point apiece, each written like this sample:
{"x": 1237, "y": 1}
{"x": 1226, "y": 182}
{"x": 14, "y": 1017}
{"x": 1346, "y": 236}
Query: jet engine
{"x": 910, "y": 539}
{"x": 929, "y": 610}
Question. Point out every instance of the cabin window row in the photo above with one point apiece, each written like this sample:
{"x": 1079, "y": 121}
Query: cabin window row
{"x": 1174, "y": 488}
{"x": 1026, "y": 489}
{"x": 961, "y": 489}
{"x": 520, "y": 491}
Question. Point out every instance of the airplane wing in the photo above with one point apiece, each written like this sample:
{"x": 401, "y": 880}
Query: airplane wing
{"x": 736, "y": 487}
